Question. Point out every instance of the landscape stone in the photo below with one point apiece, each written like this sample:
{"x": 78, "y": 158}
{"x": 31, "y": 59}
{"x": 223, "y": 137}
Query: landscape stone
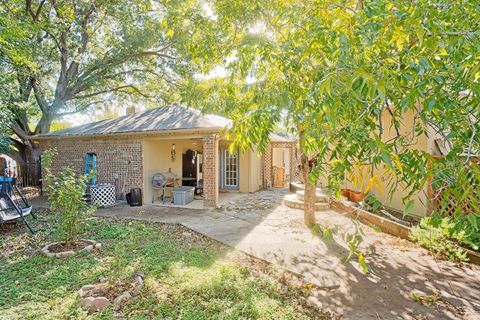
{"x": 121, "y": 299}
{"x": 99, "y": 303}
{"x": 86, "y": 302}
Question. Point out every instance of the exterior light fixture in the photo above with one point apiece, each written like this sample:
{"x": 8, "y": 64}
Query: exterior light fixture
{"x": 173, "y": 153}
{"x": 194, "y": 156}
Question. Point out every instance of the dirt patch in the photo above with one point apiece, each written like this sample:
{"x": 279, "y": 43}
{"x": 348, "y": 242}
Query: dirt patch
{"x": 68, "y": 246}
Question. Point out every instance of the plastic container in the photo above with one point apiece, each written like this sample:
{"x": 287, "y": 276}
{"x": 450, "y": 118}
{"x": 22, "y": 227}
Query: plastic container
{"x": 183, "y": 195}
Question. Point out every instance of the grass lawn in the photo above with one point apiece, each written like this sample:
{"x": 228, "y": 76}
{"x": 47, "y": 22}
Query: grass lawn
{"x": 187, "y": 276}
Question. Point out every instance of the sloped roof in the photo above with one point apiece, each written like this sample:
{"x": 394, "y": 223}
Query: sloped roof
{"x": 168, "y": 118}
{"x": 275, "y": 137}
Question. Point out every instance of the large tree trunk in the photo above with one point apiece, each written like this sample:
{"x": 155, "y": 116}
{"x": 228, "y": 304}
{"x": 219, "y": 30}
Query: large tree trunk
{"x": 31, "y": 153}
{"x": 32, "y": 158}
{"x": 309, "y": 196}
{"x": 309, "y": 203}
{"x": 306, "y": 167}
{"x": 44, "y": 124}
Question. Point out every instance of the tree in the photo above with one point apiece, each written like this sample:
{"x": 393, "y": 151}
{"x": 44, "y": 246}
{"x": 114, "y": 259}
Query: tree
{"x": 82, "y": 54}
{"x": 4, "y": 123}
{"x": 331, "y": 72}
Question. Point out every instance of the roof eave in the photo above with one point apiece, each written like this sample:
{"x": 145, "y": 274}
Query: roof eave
{"x": 129, "y": 133}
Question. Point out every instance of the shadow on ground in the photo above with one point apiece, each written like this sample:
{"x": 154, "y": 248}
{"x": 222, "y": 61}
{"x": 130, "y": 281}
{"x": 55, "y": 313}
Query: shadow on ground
{"x": 261, "y": 226}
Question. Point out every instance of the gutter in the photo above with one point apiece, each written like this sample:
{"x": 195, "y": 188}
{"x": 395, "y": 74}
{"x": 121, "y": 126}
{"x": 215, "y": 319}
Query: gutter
{"x": 129, "y": 133}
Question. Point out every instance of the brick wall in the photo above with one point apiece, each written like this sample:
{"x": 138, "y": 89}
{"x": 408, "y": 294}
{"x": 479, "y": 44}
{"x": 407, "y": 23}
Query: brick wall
{"x": 122, "y": 156}
{"x": 210, "y": 170}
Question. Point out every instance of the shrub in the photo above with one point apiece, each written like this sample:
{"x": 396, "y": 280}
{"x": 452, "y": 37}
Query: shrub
{"x": 440, "y": 236}
{"x": 66, "y": 198}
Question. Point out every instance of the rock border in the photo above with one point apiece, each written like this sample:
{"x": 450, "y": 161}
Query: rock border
{"x": 93, "y": 303}
{"x": 90, "y": 247}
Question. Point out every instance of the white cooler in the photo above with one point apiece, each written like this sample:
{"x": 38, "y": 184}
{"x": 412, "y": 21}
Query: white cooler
{"x": 183, "y": 195}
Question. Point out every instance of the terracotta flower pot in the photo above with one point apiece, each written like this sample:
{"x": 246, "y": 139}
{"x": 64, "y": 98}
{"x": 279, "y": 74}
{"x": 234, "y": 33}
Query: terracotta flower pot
{"x": 346, "y": 193}
{"x": 356, "y": 196}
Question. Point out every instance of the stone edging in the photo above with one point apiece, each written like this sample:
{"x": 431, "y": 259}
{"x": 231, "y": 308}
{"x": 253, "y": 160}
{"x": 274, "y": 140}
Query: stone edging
{"x": 90, "y": 301}
{"x": 389, "y": 226}
{"x": 46, "y": 250}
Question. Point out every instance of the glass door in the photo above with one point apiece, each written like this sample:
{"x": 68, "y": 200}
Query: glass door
{"x": 229, "y": 169}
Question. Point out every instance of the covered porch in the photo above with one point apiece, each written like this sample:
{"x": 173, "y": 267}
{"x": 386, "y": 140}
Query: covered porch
{"x": 201, "y": 161}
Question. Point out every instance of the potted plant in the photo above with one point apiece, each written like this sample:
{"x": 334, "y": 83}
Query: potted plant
{"x": 363, "y": 180}
{"x": 345, "y": 192}
{"x": 356, "y": 196}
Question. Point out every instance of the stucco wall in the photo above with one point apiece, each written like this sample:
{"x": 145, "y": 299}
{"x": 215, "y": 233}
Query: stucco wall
{"x": 157, "y": 158}
{"x": 256, "y": 163}
{"x": 115, "y": 156}
{"x": 250, "y": 171}
{"x": 420, "y": 143}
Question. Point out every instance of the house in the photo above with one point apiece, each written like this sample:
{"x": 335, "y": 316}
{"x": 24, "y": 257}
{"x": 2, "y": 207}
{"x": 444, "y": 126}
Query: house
{"x": 430, "y": 143}
{"x": 191, "y": 145}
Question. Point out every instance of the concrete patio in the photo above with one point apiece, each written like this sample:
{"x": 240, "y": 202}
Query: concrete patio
{"x": 259, "y": 225}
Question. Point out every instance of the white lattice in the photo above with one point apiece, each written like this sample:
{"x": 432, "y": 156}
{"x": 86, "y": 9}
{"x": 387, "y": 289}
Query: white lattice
{"x": 103, "y": 195}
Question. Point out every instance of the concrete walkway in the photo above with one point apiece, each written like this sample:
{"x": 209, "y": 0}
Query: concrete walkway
{"x": 259, "y": 225}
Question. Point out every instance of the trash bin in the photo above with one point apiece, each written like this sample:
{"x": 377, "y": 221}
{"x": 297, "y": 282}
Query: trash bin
{"x": 134, "y": 197}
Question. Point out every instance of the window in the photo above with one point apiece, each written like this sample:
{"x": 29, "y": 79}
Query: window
{"x": 231, "y": 168}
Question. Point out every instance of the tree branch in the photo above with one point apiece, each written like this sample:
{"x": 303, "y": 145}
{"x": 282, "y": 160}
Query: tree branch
{"x": 42, "y": 102}
{"x": 18, "y": 130}
{"x": 29, "y": 10}
{"x": 120, "y": 88}
{"x": 73, "y": 68}
{"x": 80, "y": 108}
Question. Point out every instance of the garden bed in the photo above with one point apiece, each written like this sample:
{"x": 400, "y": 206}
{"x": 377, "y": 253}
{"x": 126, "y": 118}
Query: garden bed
{"x": 388, "y": 226}
{"x": 64, "y": 249}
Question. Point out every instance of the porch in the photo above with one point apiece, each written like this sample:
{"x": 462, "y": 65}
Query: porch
{"x": 224, "y": 198}
{"x": 203, "y": 162}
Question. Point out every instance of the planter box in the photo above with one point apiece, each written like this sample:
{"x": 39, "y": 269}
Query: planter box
{"x": 183, "y": 195}
{"x": 388, "y": 226}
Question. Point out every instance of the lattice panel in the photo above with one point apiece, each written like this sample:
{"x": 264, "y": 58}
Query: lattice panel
{"x": 267, "y": 167}
{"x": 103, "y": 195}
{"x": 448, "y": 204}
{"x": 455, "y": 201}
{"x": 292, "y": 175}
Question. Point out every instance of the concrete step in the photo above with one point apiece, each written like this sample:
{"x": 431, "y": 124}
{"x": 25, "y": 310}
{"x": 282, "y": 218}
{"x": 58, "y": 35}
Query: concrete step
{"x": 319, "y": 196}
{"x": 291, "y": 201}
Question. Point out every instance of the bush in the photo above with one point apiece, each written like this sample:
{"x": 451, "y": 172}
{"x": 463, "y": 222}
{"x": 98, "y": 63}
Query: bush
{"x": 66, "y": 198}
{"x": 440, "y": 236}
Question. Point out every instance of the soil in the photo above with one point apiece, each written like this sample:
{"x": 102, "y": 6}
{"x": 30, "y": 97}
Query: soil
{"x": 72, "y": 246}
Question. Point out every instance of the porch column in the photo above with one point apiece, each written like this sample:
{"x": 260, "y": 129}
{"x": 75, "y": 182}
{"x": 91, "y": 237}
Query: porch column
{"x": 210, "y": 171}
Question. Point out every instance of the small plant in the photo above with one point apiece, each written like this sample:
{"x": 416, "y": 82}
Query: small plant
{"x": 424, "y": 299}
{"x": 66, "y": 198}
{"x": 326, "y": 233}
{"x": 372, "y": 203}
{"x": 439, "y": 236}
{"x": 353, "y": 241}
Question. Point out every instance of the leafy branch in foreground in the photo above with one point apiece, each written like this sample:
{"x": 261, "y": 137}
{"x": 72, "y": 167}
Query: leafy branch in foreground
{"x": 367, "y": 83}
